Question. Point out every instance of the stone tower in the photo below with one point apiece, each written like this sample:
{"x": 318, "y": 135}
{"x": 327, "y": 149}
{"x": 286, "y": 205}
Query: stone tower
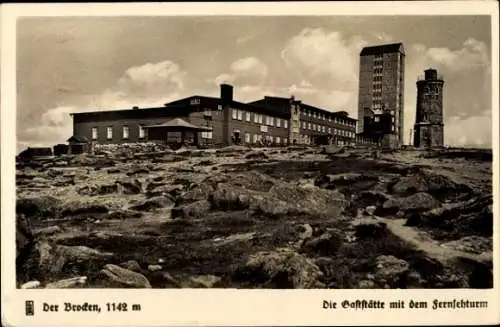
{"x": 428, "y": 130}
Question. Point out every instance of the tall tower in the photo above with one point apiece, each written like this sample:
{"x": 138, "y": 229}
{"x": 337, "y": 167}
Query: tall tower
{"x": 428, "y": 130}
{"x": 381, "y": 86}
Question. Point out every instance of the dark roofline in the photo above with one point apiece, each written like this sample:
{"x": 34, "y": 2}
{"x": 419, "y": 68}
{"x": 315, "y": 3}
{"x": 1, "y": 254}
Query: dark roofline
{"x": 383, "y": 48}
{"x": 306, "y": 106}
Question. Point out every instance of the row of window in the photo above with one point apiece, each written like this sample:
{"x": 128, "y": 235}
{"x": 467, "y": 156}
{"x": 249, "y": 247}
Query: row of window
{"x": 324, "y": 117}
{"x": 109, "y": 132}
{"x": 257, "y": 138}
{"x": 258, "y": 118}
{"x": 324, "y": 129}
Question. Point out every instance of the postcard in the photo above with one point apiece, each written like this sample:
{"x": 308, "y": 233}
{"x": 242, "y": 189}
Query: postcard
{"x": 236, "y": 164}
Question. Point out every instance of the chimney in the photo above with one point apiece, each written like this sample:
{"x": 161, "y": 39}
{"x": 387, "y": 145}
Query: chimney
{"x": 135, "y": 108}
{"x": 226, "y": 93}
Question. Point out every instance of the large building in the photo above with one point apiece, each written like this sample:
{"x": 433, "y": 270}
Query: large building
{"x": 219, "y": 121}
{"x": 381, "y": 89}
{"x": 428, "y": 130}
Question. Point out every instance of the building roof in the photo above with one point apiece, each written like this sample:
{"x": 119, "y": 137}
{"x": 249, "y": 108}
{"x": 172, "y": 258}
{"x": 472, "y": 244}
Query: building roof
{"x": 178, "y": 123}
{"x": 77, "y": 139}
{"x": 281, "y": 103}
{"x": 383, "y": 48}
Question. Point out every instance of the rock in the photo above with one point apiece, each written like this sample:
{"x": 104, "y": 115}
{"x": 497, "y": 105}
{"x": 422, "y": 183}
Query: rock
{"x": 137, "y": 171}
{"x": 256, "y": 155}
{"x": 281, "y": 268}
{"x": 24, "y": 235}
{"x": 390, "y": 269}
{"x": 124, "y": 277}
{"x": 459, "y": 219}
{"x": 38, "y": 207}
{"x": 340, "y": 181}
{"x": 366, "y": 284}
{"x": 157, "y": 202}
{"x": 47, "y": 230}
{"x": 82, "y": 208}
{"x": 131, "y": 265}
{"x": 129, "y": 186}
{"x": 472, "y": 244}
{"x": 97, "y": 189}
{"x": 332, "y": 149}
{"x": 325, "y": 245}
{"x": 307, "y": 232}
{"x": 370, "y": 229}
{"x": 166, "y": 190}
{"x": 68, "y": 283}
{"x": 314, "y": 201}
{"x": 192, "y": 210}
{"x": 30, "y": 285}
{"x": 197, "y": 193}
{"x": 440, "y": 186}
{"x": 370, "y": 210}
{"x": 204, "y": 281}
{"x": 417, "y": 202}
{"x": 415, "y": 280}
{"x": 154, "y": 267}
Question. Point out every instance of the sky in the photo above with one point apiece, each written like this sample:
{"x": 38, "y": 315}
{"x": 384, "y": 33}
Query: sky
{"x": 75, "y": 64}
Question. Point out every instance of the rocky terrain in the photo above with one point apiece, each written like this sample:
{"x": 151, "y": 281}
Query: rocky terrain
{"x": 146, "y": 217}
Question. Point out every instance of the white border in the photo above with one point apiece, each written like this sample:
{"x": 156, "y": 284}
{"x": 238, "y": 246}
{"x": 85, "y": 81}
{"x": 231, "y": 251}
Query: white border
{"x": 227, "y": 307}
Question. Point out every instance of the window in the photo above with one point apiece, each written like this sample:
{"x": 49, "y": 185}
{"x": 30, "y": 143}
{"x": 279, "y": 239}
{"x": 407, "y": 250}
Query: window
{"x": 377, "y": 119}
{"x": 94, "y": 133}
{"x": 256, "y": 118}
{"x": 255, "y": 138}
{"x": 206, "y": 135}
{"x": 248, "y": 118}
{"x": 324, "y": 129}
{"x": 125, "y": 132}
{"x": 285, "y": 123}
{"x": 270, "y": 139}
{"x": 260, "y": 119}
{"x": 110, "y": 133}
{"x": 303, "y": 125}
{"x": 329, "y": 130}
{"x": 308, "y": 125}
{"x": 240, "y": 115}
{"x": 271, "y": 121}
{"x": 278, "y": 140}
{"x": 278, "y": 122}
{"x": 235, "y": 113}
{"x": 207, "y": 112}
{"x": 285, "y": 140}
{"x": 141, "y": 132}
{"x": 247, "y": 137}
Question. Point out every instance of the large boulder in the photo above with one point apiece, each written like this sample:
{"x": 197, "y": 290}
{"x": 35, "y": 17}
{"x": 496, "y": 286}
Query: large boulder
{"x": 311, "y": 200}
{"x": 38, "y": 207}
{"x": 129, "y": 186}
{"x": 346, "y": 180}
{"x": 193, "y": 210}
{"x": 154, "y": 203}
{"x": 418, "y": 202}
{"x": 121, "y": 277}
{"x": 326, "y": 244}
{"x": 281, "y": 268}
{"x": 459, "y": 219}
{"x": 97, "y": 189}
{"x": 391, "y": 271}
{"x": 440, "y": 186}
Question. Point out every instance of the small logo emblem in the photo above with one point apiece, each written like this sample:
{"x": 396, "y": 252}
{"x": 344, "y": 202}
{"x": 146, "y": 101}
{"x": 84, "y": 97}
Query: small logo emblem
{"x": 29, "y": 308}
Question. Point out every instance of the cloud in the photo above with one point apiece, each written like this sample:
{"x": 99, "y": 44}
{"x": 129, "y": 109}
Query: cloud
{"x": 472, "y": 55}
{"x": 324, "y": 57}
{"x": 151, "y": 84}
{"x": 471, "y": 131}
{"x": 245, "y": 71}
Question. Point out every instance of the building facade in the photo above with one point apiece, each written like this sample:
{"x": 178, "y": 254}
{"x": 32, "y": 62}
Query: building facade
{"x": 269, "y": 121}
{"x": 429, "y": 127}
{"x": 381, "y": 88}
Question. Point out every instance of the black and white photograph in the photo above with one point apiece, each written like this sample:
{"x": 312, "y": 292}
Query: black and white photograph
{"x": 254, "y": 152}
